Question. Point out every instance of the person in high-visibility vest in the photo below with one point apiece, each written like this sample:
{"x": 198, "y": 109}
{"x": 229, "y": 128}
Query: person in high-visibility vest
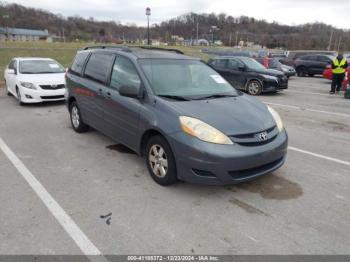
{"x": 339, "y": 66}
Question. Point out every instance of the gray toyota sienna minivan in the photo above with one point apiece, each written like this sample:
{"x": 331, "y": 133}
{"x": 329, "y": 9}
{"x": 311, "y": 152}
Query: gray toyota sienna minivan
{"x": 187, "y": 121}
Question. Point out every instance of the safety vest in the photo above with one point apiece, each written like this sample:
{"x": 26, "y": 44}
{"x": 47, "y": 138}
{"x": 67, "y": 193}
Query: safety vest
{"x": 339, "y": 66}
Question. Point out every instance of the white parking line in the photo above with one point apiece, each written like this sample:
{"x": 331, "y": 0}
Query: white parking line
{"x": 310, "y": 93}
{"x": 83, "y": 242}
{"x": 319, "y": 156}
{"x": 309, "y": 109}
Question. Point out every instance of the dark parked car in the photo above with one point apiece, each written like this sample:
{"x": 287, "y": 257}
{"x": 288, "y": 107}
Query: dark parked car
{"x": 274, "y": 63}
{"x": 229, "y": 52}
{"x": 312, "y": 64}
{"x": 177, "y": 112}
{"x": 292, "y": 56}
{"x": 247, "y": 74}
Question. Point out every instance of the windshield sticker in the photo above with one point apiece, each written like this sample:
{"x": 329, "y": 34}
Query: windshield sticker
{"x": 218, "y": 79}
{"x": 54, "y": 66}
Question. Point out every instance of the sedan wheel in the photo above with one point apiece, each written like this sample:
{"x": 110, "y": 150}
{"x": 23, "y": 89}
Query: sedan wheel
{"x": 19, "y": 97}
{"x": 301, "y": 71}
{"x": 254, "y": 88}
{"x": 160, "y": 161}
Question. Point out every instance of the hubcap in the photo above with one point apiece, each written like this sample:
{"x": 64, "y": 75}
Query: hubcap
{"x": 158, "y": 161}
{"x": 253, "y": 88}
{"x": 75, "y": 117}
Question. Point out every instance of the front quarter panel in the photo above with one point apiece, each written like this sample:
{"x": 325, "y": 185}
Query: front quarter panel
{"x": 158, "y": 115}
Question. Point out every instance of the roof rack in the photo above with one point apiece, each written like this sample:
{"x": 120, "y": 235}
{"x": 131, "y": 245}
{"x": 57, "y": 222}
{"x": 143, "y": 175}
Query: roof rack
{"x": 161, "y": 49}
{"x": 122, "y": 48}
{"x": 128, "y": 49}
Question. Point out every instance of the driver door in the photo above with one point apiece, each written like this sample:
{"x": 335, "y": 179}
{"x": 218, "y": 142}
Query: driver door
{"x": 122, "y": 114}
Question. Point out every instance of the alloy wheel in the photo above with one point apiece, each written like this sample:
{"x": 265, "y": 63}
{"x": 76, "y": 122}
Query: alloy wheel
{"x": 253, "y": 88}
{"x": 158, "y": 161}
{"x": 75, "y": 117}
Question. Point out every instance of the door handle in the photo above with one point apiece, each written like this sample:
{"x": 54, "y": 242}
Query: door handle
{"x": 108, "y": 95}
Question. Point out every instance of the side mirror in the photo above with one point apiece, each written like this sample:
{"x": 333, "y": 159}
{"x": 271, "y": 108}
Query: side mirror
{"x": 130, "y": 91}
{"x": 241, "y": 68}
{"x": 11, "y": 71}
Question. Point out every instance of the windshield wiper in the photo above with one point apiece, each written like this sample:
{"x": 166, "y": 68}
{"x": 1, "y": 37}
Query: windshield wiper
{"x": 180, "y": 98}
{"x": 215, "y": 96}
{"x": 49, "y": 72}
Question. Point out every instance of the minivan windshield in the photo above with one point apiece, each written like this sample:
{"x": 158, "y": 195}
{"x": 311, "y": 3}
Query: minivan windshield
{"x": 40, "y": 67}
{"x": 191, "y": 79}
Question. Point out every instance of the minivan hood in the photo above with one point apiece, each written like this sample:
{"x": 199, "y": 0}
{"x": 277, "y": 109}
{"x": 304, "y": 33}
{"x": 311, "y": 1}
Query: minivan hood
{"x": 43, "y": 78}
{"x": 230, "y": 115}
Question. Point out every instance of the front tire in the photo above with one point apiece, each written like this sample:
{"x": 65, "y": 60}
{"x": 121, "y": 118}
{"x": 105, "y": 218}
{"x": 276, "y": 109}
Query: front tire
{"x": 75, "y": 117}
{"x": 301, "y": 71}
{"x": 160, "y": 161}
{"x": 19, "y": 97}
{"x": 254, "y": 88}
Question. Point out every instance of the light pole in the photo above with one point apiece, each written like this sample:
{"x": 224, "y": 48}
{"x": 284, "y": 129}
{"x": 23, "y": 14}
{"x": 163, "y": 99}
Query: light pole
{"x": 148, "y": 13}
{"x": 213, "y": 28}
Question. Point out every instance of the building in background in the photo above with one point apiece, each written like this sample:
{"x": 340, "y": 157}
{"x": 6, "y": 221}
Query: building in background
{"x": 23, "y": 35}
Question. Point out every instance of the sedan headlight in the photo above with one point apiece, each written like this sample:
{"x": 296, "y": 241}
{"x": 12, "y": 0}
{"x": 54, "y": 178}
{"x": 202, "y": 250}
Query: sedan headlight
{"x": 277, "y": 118}
{"x": 28, "y": 85}
{"x": 270, "y": 77}
{"x": 197, "y": 128}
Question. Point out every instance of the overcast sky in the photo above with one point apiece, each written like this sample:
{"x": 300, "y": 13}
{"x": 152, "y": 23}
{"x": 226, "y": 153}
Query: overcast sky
{"x": 291, "y": 12}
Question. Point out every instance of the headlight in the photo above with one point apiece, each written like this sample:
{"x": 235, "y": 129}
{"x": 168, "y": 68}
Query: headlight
{"x": 270, "y": 77}
{"x": 277, "y": 118}
{"x": 197, "y": 128}
{"x": 28, "y": 85}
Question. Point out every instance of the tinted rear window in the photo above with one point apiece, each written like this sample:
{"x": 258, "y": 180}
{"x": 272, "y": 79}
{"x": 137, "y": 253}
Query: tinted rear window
{"x": 98, "y": 67}
{"x": 79, "y": 61}
{"x": 219, "y": 63}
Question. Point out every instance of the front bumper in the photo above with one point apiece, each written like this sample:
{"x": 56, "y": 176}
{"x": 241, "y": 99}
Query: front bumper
{"x": 39, "y": 95}
{"x": 210, "y": 164}
{"x": 290, "y": 73}
{"x": 273, "y": 86}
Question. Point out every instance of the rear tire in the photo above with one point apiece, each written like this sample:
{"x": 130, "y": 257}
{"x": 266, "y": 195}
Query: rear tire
{"x": 311, "y": 75}
{"x": 160, "y": 161}
{"x": 75, "y": 117}
{"x": 254, "y": 88}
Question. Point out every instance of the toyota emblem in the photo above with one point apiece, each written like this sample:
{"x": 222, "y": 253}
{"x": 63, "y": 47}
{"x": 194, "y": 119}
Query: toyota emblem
{"x": 262, "y": 136}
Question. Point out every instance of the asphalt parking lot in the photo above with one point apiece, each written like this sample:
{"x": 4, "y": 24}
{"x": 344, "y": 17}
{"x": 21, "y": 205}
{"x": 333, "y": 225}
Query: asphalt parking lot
{"x": 303, "y": 208}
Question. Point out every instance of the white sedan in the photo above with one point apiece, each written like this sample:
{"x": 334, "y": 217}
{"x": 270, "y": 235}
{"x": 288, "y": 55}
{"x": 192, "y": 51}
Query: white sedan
{"x": 35, "y": 80}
